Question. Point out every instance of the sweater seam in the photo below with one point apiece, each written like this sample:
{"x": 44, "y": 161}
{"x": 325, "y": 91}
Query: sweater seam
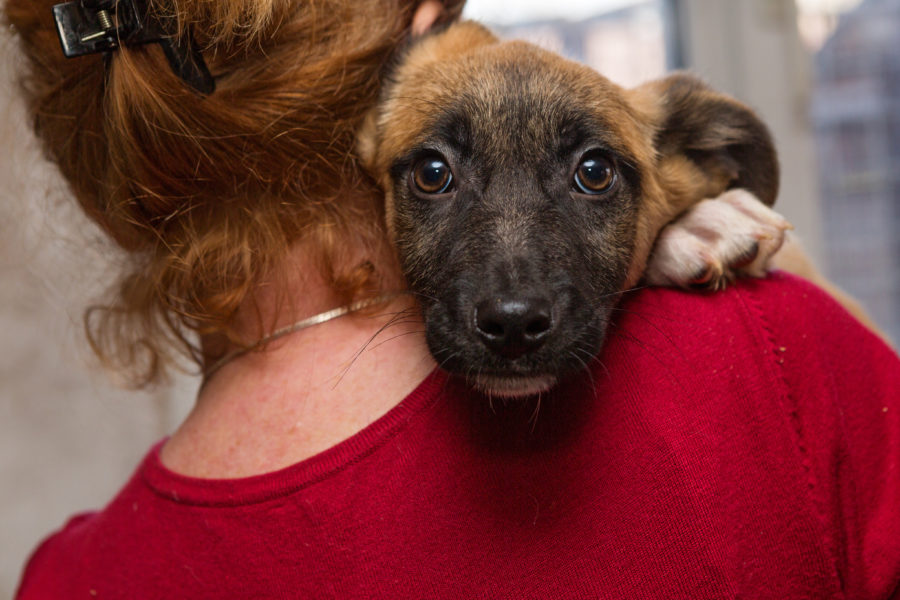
{"x": 352, "y": 458}
{"x": 791, "y": 406}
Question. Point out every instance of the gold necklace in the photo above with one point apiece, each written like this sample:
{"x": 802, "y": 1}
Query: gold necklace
{"x": 318, "y": 319}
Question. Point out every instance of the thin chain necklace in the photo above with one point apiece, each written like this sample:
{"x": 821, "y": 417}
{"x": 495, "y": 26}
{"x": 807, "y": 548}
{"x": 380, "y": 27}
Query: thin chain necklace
{"x": 318, "y": 319}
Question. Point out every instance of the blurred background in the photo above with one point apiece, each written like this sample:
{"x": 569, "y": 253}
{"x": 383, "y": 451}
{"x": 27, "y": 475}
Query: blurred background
{"x": 824, "y": 74}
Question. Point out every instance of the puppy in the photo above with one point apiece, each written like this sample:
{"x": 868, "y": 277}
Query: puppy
{"x": 525, "y": 192}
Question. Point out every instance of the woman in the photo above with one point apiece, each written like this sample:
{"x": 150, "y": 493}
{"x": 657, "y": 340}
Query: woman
{"x": 227, "y": 203}
{"x": 731, "y": 445}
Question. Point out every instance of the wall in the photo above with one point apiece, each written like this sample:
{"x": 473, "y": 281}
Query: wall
{"x": 68, "y": 437}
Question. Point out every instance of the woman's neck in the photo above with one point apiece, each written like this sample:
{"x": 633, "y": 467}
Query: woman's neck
{"x": 306, "y": 391}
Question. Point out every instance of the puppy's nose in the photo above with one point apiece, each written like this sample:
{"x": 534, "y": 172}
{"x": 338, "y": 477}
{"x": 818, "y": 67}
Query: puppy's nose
{"x": 512, "y": 327}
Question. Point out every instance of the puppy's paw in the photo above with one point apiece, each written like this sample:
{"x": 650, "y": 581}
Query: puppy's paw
{"x": 715, "y": 241}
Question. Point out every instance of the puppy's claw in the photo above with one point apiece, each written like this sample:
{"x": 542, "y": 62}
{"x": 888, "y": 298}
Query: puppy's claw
{"x": 702, "y": 279}
{"x": 716, "y": 241}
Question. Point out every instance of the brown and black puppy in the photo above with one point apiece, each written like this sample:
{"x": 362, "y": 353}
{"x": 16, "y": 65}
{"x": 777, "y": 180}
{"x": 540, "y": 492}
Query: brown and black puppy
{"x": 525, "y": 193}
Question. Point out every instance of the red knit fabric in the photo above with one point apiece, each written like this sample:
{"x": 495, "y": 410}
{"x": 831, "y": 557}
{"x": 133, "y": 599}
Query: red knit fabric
{"x": 743, "y": 444}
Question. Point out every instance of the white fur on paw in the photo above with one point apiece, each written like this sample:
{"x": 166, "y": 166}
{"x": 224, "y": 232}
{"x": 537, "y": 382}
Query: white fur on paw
{"x": 715, "y": 241}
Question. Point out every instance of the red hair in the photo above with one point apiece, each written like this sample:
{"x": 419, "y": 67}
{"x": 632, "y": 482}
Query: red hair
{"x": 206, "y": 194}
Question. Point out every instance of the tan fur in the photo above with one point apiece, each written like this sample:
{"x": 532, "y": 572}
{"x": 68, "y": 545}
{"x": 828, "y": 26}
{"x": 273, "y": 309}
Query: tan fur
{"x": 441, "y": 65}
{"x": 518, "y": 113}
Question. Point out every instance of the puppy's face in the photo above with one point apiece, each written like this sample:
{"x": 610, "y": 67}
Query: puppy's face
{"x": 523, "y": 195}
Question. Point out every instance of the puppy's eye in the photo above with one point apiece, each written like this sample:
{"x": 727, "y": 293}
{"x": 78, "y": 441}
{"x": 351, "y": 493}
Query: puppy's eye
{"x": 595, "y": 174}
{"x": 432, "y": 176}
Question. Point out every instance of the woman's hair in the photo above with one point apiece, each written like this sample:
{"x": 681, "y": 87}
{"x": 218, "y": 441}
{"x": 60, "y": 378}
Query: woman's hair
{"x": 207, "y": 193}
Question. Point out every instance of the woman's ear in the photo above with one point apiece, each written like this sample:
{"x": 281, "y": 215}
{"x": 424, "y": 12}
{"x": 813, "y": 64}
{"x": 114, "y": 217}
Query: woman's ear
{"x": 366, "y": 142}
{"x": 426, "y": 15}
{"x": 703, "y": 133}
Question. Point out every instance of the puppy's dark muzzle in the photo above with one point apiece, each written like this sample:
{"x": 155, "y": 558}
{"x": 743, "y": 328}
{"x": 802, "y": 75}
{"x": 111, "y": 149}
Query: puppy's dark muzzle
{"x": 512, "y": 326}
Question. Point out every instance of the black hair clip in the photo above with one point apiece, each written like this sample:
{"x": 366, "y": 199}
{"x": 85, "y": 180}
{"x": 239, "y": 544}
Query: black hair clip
{"x": 91, "y": 26}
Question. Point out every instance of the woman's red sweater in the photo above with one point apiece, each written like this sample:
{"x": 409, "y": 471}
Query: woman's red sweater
{"x": 738, "y": 445}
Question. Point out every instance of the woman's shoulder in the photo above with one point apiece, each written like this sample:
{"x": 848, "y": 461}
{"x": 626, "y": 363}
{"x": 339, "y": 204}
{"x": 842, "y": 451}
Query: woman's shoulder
{"x": 778, "y": 336}
{"x": 767, "y": 313}
{"x": 65, "y": 564}
{"x": 778, "y": 365}
{"x": 37, "y": 580}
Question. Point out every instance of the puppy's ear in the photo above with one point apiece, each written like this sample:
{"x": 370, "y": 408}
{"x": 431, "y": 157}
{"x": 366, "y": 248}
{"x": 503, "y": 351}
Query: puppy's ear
{"x": 707, "y": 142}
